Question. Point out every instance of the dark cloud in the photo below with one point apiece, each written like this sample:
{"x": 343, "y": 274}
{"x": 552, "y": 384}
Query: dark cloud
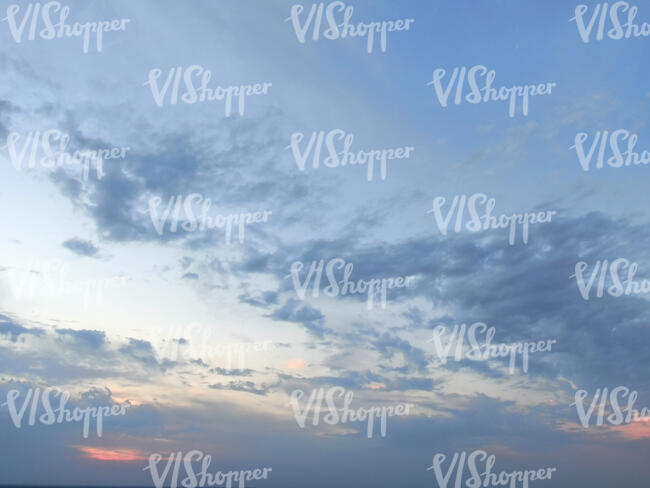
{"x": 293, "y": 311}
{"x": 184, "y": 162}
{"x": 388, "y": 346}
{"x": 243, "y": 386}
{"x": 81, "y": 247}
{"x": 264, "y": 299}
{"x": 61, "y": 355}
{"x": 232, "y": 372}
{"x": 524, "y": 291}
{"x": 14, "y": 330}
{"x": 357, "y": 381}
{"x": 90, "y": 338}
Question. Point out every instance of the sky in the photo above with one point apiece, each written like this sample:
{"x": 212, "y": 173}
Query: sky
{"x": 207, "y": 337}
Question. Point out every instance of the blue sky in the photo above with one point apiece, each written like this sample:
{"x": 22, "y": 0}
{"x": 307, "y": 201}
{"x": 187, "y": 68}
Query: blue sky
{"x": 108, "y": 350}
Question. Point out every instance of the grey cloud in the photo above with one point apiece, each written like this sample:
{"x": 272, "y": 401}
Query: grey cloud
{"x": 243, "y": 386}
{"x": 91, "y": 338}
{"x": 81, "y": 247}
{"x": 293, "y": 311}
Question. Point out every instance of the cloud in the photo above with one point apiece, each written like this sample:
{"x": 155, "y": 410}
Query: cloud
{"x": 264, "y": 299}
{"x": 310, "y": 318}
{"x": 10, "y": 328}
{"x": 93, "y": 338}
{"x": 524, "y": 291}
{"x": 296, "y": 364}
{"x": 63, "y": 356}
{"x": 388, "y": 345}
{"x": 243, "y": 386}
{"x": 114, "y": 455}
{"x": 81, "y": 247}
{"x": 232, "y": 372}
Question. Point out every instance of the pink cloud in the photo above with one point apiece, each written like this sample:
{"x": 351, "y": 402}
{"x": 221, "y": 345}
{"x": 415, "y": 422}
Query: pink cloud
{"x": 118, "y": 455}
{"x": 634, "y": 430}
{"x": 296, "y": 364}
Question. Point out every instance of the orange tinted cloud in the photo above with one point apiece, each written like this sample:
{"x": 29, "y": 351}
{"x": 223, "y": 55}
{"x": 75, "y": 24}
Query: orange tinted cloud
{"x": 119, "y": 455}
{"x": 634, "y": 430}
{"x": 296, "y": 364}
